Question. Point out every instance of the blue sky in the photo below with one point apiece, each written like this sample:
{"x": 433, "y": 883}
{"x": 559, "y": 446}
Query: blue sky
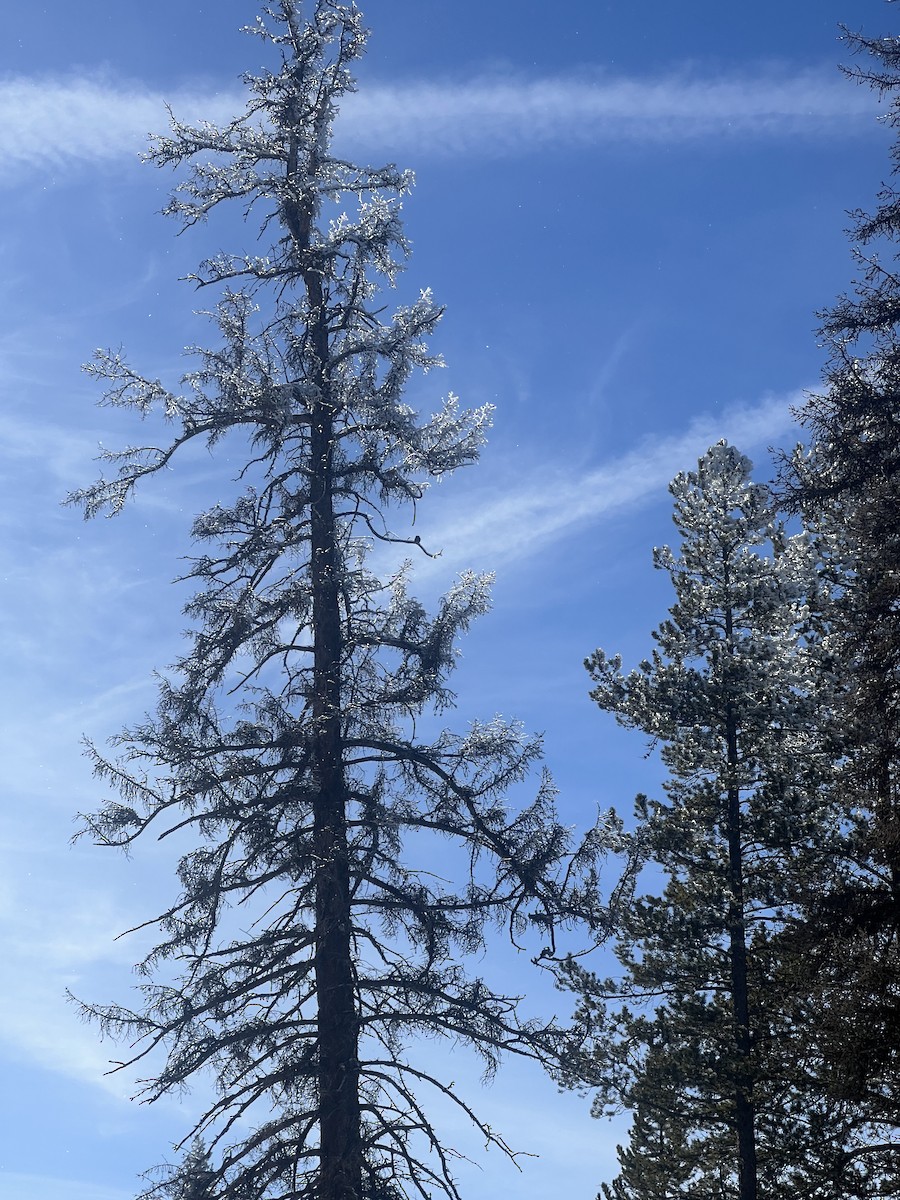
{"x": 632, "y": 212}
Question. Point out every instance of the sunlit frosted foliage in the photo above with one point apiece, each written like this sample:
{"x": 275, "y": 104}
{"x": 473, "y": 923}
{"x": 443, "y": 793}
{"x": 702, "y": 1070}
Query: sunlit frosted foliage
{"x": 293, "y": 740}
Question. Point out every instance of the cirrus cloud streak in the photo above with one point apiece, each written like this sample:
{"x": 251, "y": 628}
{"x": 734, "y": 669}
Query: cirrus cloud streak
{"x": 52, "y": 122}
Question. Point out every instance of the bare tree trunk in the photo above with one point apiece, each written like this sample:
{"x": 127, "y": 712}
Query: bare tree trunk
{"x": 341, "y": 1161}
{"x": 340, "y": 1136}
{"x": 745, "y": 1114}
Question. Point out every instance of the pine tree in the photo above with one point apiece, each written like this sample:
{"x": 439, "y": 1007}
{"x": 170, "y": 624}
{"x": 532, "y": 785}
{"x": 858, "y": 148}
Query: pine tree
{"x": 288, "y": 739}
{"x": 701, "y": 1024}
{"x": 848, "y": 484}
{"x": 193, "y": 1181}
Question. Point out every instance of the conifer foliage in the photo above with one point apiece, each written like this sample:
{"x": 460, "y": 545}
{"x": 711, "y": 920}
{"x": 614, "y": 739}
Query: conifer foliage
{"x": 848, "y": 484}
{"x": 697, "y": 1036}
{"x": 285, "y": 742}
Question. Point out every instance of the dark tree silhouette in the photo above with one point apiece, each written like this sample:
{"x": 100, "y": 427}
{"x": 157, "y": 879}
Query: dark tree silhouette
{"x": 287, "y": 739}
{"x": 848, "y": 484}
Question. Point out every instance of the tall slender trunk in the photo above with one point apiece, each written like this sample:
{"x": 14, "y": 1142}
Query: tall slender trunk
{"x": 340, "y": 1135}
{"x": 745, "y": 1112}
{"x": 340, "y": 1176}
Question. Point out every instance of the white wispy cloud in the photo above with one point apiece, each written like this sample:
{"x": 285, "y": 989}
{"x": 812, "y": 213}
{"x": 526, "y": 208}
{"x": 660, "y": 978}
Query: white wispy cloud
{"x": 52, "y": 122}
{"x": 518, "y": 115}
{"x": 512, "y": 520}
